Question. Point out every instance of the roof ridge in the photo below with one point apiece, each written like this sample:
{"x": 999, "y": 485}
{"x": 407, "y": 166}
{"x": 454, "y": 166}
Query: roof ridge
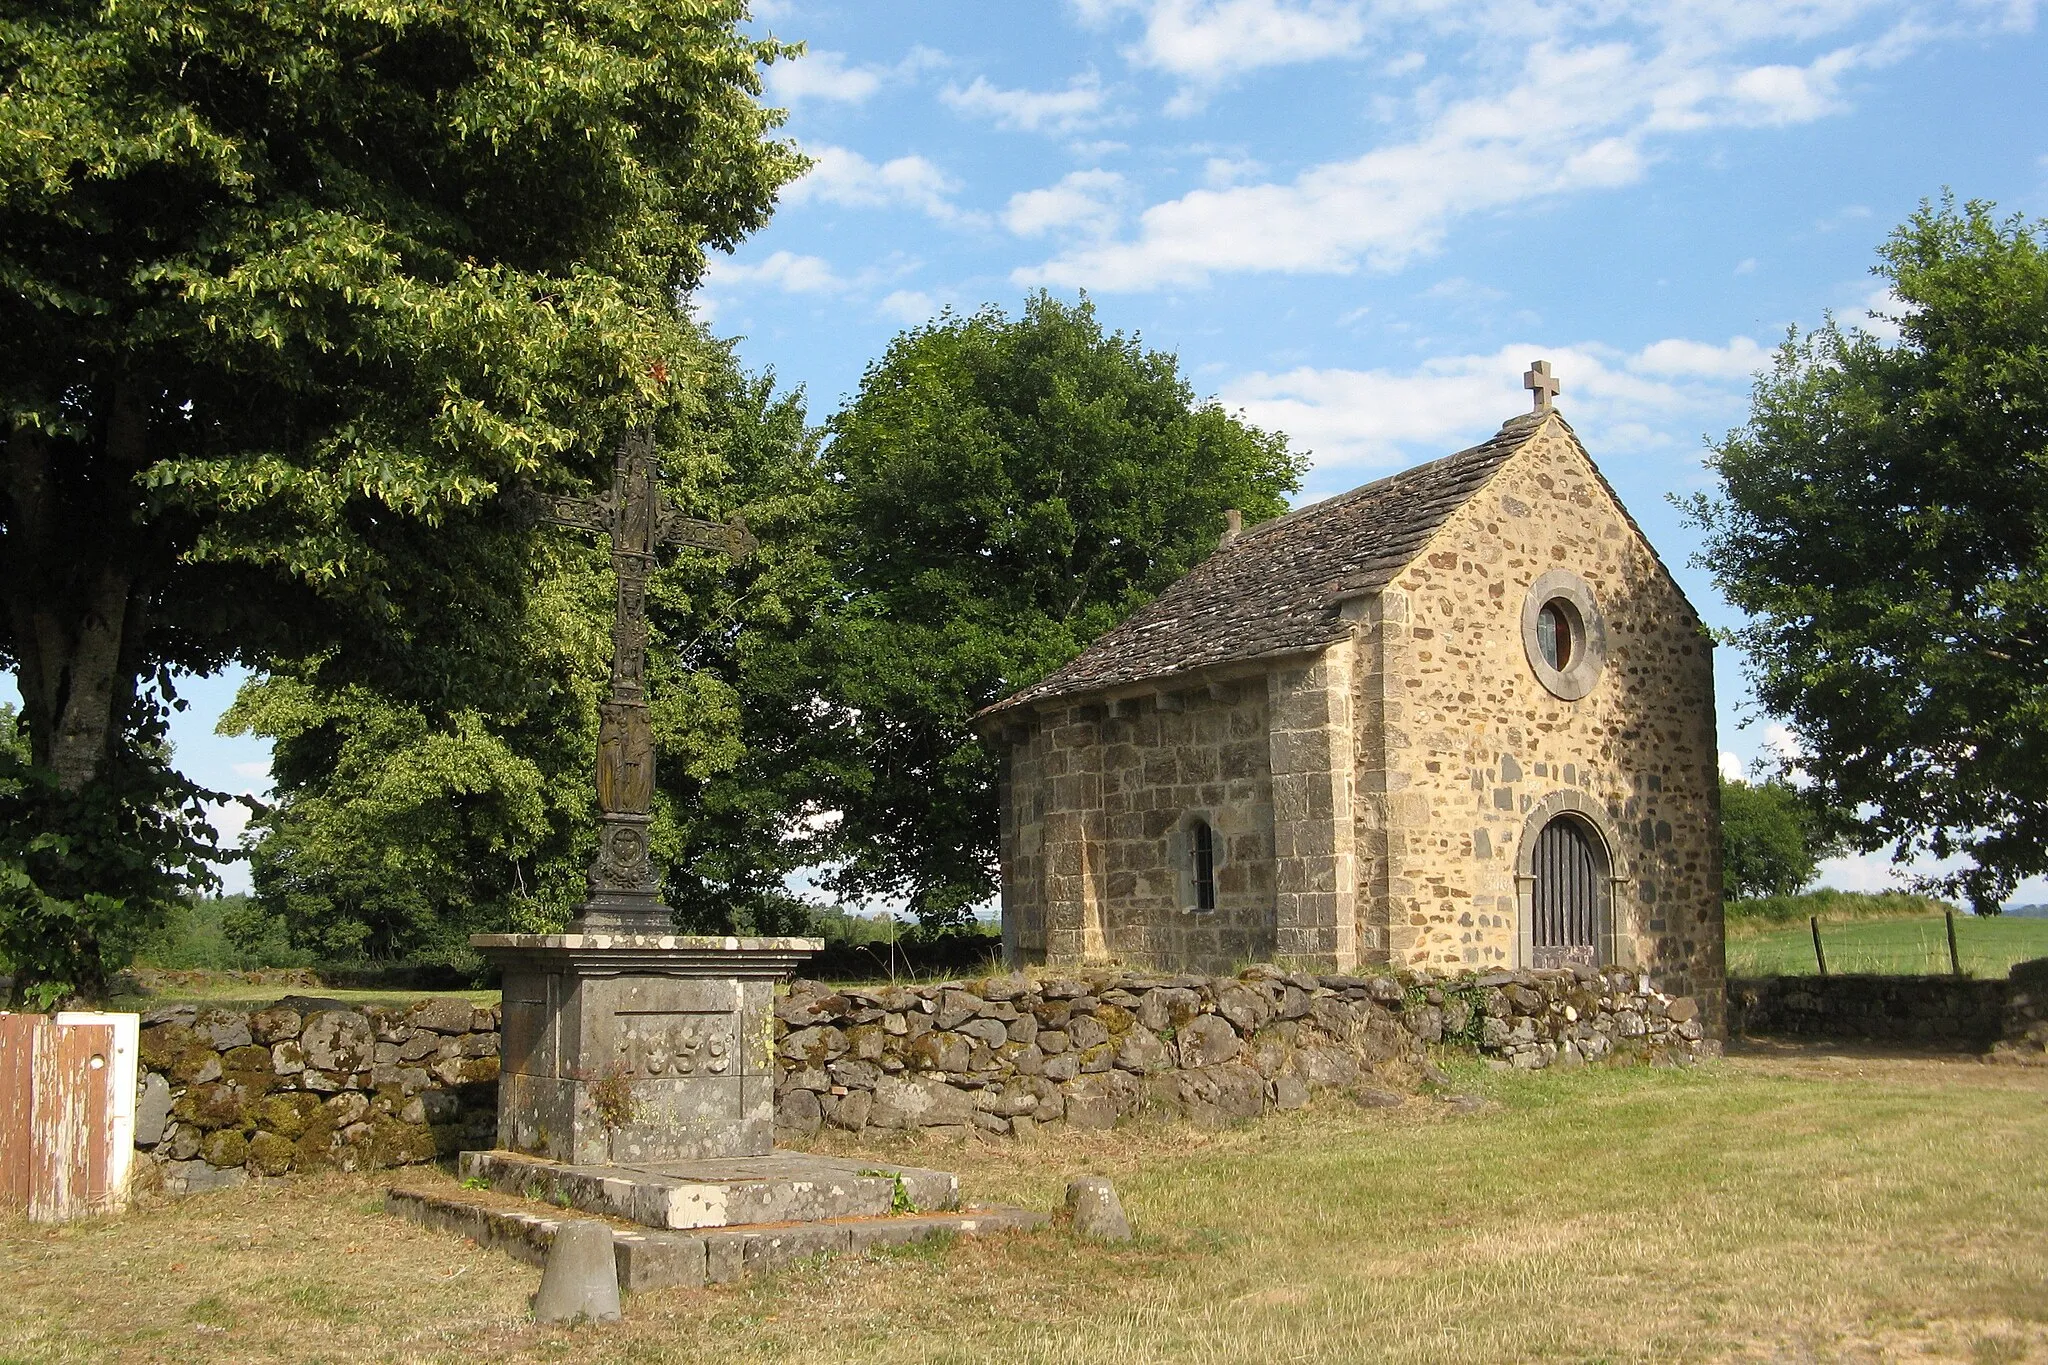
{"x": 1275, "y": 588}
{"x": 1532, "y": 420}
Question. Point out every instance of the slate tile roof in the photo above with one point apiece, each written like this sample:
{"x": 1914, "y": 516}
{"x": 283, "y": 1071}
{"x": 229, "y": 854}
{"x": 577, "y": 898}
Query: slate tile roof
{"x": 1276, "y": 589}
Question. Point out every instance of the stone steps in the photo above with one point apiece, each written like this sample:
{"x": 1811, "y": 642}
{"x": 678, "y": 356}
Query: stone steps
{"x": 651, "y": 1259}
{"x": 783, "y": 1187}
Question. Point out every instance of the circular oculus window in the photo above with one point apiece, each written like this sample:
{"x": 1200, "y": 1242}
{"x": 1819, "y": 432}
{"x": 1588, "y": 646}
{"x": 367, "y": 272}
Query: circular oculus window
{"x": 1563, "y": 635}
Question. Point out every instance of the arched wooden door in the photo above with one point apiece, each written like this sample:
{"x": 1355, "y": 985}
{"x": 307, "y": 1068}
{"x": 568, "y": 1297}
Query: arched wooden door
{"x": 1567, "y": 901}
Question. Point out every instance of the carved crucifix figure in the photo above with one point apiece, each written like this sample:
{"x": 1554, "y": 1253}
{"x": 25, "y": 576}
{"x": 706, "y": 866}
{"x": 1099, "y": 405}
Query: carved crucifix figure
{"x": 625, "y": 895}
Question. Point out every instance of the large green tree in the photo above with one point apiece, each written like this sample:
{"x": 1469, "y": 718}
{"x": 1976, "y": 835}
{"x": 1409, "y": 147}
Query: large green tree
{"x": 1883, "y": 519}
{"x": 1772, "y": 840}
{"x": 288, "y": 293}
{"x": 1007, "y": 490}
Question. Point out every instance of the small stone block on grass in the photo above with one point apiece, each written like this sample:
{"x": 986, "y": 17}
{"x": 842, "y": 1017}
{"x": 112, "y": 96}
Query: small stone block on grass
{"x": 1095, "y": 1211}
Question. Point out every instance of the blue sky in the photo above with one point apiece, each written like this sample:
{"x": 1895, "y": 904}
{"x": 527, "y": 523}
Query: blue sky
{"x": 1358, "y": 221}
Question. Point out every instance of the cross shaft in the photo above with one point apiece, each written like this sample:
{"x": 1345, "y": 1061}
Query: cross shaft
{"x": 624, "y": 893}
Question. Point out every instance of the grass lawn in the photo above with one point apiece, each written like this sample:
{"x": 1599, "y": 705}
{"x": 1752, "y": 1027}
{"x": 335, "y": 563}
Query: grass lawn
{"x": 1790, "y": 1203}
{"x": 1987, "y": 947}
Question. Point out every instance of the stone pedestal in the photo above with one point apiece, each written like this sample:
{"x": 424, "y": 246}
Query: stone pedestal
{"x": 638, "y": 1048}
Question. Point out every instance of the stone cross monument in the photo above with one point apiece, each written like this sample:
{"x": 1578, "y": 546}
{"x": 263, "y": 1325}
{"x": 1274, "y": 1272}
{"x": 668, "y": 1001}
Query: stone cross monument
{"x": 624, "y": 893}
{"x": 1542, "y": 388}
{"x": 625, "y": 1042}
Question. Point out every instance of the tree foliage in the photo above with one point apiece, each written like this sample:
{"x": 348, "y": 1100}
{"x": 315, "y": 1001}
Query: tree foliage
{"x": 289, "y": 292}
{"x": 1883, "y": 518}
{"x": 1772, "y": 840}
{"x": 1007, "y": 490}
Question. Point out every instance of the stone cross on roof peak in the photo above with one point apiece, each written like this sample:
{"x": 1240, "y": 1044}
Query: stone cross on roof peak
{"x": 1542, "y": 387}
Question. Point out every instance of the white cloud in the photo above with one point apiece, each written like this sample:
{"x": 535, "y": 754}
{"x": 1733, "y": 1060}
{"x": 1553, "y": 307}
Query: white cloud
{"x": 1731, "y": 767}
{"x": 1780, "y": 743}
{"x": 822, "y": 76}
{"x": 1359, "y": 421}
{"x": 1085, "y": 201}
{"x": 1032, "y": 111}
{"x": 845, "y": 177}
{"x": 1875, "y": 312}
{"x": 1221, "y": 171}
{"x": 1789, "y": 94}
{"x": 1590, "y": 105}
{"x": 785, "y": 270}
{"x": 826, "y": 76}
{"x": 230, "y": 819}
{"x": 1864, "y": 872}
{"x": 1741, "y": 358}
{"x": 1205, "y": 40}
{"x": 909, "y": 306}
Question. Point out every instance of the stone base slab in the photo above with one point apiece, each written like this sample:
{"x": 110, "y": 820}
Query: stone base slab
{"x": 786, "y": 1187}
{"x": 659, "y": 1260}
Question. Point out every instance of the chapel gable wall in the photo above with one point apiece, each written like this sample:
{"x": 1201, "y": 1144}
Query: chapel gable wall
{"x": 1459, "y": 744}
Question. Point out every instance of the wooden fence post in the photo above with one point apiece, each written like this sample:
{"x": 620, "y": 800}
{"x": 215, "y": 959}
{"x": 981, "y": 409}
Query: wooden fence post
{"x": 1955, "y": 961}
{"x": 1819, "y": 956}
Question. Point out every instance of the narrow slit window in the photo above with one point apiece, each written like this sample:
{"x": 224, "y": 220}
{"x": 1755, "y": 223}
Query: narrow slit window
{"x": 1202, "y": 864}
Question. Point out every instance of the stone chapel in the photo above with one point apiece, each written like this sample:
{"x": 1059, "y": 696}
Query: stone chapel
{"x": 1460, "y": 718}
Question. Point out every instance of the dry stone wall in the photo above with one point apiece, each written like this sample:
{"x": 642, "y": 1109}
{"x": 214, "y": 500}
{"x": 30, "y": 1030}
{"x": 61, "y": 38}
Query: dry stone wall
{"x": 305, "y": 1085}
{"x": 1010, "y": 1055}
{"x": 2024, "y": 1035}
{"x": 309, "y": 1084}
{"x": 2008, "y": 1017}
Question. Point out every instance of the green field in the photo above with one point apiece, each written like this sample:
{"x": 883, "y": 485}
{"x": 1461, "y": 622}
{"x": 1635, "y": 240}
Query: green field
{"x": 1901, "y": 947}
{"x": 234, "y": 996}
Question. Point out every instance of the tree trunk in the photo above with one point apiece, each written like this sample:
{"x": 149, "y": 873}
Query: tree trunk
{"x": 71, "y": 594}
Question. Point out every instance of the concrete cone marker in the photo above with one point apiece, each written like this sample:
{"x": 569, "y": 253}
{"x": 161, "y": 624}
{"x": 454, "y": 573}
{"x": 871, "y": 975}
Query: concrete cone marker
{"x": 582, "y": 1275}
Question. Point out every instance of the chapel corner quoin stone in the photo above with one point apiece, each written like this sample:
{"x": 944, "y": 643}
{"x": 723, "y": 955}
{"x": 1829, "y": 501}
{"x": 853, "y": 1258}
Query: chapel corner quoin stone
{"x": 1459, "y": 719}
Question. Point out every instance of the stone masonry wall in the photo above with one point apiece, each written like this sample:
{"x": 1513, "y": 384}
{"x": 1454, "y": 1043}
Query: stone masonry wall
{"x": 308, "y": 1085}
{"x": 1462, "y": 753}
{"x": 1011, "y": 1055}
{"x": 1096, "y": 806}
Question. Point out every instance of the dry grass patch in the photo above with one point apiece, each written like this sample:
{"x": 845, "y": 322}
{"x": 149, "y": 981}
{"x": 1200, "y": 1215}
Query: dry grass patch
{"x": 1793, "y": 1204}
